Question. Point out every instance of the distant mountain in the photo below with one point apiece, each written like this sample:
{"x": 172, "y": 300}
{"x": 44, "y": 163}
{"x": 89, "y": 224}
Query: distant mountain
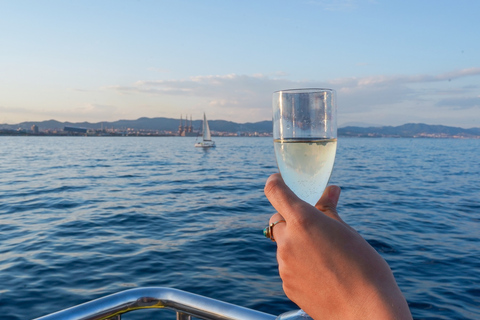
{"x": 410, "y": 130}
{"x": 161, "y": 124}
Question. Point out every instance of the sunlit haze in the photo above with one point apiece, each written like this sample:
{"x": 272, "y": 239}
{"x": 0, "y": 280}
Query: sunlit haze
{"x": 391, "y": 62}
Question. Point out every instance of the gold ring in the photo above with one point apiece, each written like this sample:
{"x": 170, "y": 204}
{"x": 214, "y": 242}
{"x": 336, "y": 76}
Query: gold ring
{"x": 268, "y": 231}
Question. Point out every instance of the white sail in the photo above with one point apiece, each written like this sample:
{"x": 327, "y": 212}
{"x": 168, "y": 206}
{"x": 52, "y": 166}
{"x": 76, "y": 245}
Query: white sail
{"x": 206, "y": 129}
{"x": 207, "y": 137}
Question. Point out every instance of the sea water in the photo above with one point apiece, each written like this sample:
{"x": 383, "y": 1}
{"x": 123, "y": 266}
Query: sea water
{"x": 84, "y": 217}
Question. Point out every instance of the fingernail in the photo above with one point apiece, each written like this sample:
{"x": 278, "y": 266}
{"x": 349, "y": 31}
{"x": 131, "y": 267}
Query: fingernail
{"x": 273, "y": 176}
{"x": 334, "y": 191}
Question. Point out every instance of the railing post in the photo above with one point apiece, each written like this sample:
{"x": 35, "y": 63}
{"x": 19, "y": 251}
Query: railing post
{"x": 183, "y": 316}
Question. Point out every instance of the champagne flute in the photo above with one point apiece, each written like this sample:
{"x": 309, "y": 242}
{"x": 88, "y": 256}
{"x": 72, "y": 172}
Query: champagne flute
{"x": 305, "y": 139}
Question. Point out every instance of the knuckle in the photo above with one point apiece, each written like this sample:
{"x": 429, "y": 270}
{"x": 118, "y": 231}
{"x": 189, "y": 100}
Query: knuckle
{"x": 282, "y": 253}
{"x": 281, "y": 271}
{"x": 326, "y": 206}
{"x": 275, "y": 217}
{"x": 286, "y": 288}
{"x": 284, "y": 256}
{"x": 289, "y": 291}
{"x": 302, "y": 220}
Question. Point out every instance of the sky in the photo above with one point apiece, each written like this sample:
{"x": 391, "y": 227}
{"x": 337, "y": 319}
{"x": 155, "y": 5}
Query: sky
{"x": 390, "y": 61}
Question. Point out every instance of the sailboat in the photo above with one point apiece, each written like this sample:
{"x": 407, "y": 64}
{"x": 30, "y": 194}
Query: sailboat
{"x": 207, "y": 138}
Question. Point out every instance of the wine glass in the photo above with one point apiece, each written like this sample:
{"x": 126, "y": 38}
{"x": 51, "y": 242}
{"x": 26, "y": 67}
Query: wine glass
{"x": 305, "y": 139}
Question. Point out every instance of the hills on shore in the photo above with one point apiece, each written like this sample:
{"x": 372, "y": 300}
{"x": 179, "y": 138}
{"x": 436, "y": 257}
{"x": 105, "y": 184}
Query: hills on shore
{"x": 153, "y": 124}
{"x": 409, "y": 130}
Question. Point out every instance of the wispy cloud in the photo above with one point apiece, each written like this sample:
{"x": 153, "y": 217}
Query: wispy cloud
{"x": 13, "y": 110}
{"x": 254, "y": 90}
{"x": 389, "y": 99}
{"x": 94, "y": 110}
{"x": 460, "y": 102}
{"x": 392, "y": 95}
{"x": 85, "y": 112}
{"x": 382, "y": 80}
{"x": 205, "y": 86}
{"x": 221, "y": 90}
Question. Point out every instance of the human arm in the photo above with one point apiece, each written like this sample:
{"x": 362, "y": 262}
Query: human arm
{"x": 327, "y": 268}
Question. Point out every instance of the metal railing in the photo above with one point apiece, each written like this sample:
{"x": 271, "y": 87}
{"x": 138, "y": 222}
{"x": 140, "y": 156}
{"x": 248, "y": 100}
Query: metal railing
{"x": 187, "y": 305}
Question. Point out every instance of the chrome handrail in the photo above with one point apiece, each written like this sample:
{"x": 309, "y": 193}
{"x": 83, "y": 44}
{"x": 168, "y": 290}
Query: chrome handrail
{"x": 186, "y": 305}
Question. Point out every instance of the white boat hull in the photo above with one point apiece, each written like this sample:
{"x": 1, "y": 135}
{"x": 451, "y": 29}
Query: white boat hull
{"x": 205, "y": 144}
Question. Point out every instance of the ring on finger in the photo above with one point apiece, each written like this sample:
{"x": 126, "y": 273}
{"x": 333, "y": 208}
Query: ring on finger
{"x": 268, "y": 231}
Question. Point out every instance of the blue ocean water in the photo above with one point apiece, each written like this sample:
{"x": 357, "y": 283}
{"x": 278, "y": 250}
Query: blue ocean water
{"x": 83, "y": 217}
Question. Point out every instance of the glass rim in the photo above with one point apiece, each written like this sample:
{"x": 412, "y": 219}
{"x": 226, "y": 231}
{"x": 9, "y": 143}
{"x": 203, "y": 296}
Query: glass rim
{"x": 305, "y": 90}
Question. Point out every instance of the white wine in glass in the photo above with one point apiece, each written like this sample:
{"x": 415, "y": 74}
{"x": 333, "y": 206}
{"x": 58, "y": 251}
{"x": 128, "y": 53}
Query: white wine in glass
{"x": 305, "y": 139}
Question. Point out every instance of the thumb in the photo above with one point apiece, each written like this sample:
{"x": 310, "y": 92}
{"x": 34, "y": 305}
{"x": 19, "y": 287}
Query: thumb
{"x": 281, "y": 197}
{"x": 328, "y": 202}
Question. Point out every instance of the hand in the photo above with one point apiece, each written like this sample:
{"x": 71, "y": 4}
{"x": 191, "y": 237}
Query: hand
{"x": 326, "y": 267}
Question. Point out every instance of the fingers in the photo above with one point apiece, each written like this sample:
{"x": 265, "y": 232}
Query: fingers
{"x": 295, "y": 211}
{"x": 328, "y": 202}
{"x": 276, "y": 217}
{"x": 281, "y": 197}
{"x": 279, "y": 229}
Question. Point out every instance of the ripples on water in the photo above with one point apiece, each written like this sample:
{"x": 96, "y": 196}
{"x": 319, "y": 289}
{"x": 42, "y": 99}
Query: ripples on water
{"x": 83, "y": 217}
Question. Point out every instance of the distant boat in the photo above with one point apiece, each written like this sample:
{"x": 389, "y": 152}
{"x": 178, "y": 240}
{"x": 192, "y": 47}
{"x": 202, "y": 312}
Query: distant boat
{"x": 207, "y": 138}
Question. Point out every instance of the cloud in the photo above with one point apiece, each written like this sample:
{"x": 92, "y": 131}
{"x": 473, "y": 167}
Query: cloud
{"x": 244, "y": 87}
{"x": 387, "y": 99}
{"x": 241, "y": 98}
{"x": 92, "y": 108}
{"x": 392, "y": 90}
{"x": 384, "y": 80}
{"x": 223, "y": 102}
{"x": 460, "y": 102}
{"x": 14, "y": 110}
{"x": 220, "y": 90}
{"x": 375, "y": 98}
{"x": 85, "y": 112}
